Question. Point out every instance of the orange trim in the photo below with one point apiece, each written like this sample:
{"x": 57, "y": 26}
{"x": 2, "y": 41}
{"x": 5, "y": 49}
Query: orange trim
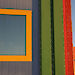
{"x": 28, "y": 56}
{"x": 15, "y": 12}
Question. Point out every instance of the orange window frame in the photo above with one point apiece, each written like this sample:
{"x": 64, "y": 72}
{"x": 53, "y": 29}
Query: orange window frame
{"x": 28, "y": 56}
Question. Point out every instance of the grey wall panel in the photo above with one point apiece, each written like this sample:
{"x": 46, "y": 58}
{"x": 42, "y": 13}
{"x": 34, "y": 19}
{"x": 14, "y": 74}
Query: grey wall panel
{"x": 4, "y": 68}
{"x": 15, "y": 68}
{"x": 36, "y": 37}
{"x": 17, "y": 4}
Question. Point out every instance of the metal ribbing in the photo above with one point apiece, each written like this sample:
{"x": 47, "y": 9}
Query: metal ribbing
{"x": 16, "y": 68}
{"x": 46, "y": 68}
{"x": 59, "y": 38}
{"x": 68, "y": 37}
{"x": 17, "y": 4}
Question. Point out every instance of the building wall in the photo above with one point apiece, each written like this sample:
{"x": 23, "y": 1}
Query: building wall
{"x": 52, "y": 38}
{"x": 68, "y": 37}
{"x": 46, "y": 60}
{"x": 16, "y": 68}
{"x": 59, "y": 38}
{"x": 74, "y": 59}
{"x": 17, "y": 4}
{"x": 56, "y": 37}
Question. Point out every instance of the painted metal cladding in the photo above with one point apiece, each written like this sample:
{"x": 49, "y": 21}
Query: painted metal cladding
{"x": 17, "y": 4}
{"x": 52, "y": 35}
{"x": 46, "y": 63}
{"x": 56, "y": 38}
{"x": 59, "y": 38}
{"x": 53, "y": 31}
{"x": 68, "y": 37}
{"x": 16, "y": 68}
{"x": 36, "y": 37}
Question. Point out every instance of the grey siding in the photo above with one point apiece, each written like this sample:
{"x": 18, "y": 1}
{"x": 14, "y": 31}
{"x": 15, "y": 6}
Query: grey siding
{"x": 16, "y": 68}
{"x": 36, "y": 37}
{"x": 17, "y": 4}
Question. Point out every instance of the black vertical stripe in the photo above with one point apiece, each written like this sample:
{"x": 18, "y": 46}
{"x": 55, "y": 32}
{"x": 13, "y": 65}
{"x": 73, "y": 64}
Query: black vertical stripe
{"x": 52, "y": 38}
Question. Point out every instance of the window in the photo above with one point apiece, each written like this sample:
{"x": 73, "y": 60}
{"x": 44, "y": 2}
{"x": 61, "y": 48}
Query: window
{"x": 15, "y": 35}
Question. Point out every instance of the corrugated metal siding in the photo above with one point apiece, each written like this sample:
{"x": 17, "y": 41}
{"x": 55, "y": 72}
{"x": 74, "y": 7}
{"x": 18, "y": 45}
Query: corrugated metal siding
{"x": 59, "y": 38}
{"x": 46, "y": 63}
{"x": 17, "y": 4}
{"x": 68, "y": 38}
{"x": 16, "y": 68}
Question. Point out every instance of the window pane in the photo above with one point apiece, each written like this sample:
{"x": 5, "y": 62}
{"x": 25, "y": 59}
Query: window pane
{"x": 12, "y": 35}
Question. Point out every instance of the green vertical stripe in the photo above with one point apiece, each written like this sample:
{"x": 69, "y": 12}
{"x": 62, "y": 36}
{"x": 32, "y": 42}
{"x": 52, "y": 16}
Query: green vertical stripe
{"x": 46, "y": 68}
{"x": 59, "y": 38}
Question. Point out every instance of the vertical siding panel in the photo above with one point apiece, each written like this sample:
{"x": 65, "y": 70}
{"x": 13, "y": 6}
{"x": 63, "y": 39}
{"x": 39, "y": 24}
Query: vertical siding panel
{"x": 59, "y": 38}
{"x": 30, "y": 4}
{"x": 4, "y": 68}
{"x": 11, "y": 68}
{"x": 36, "y": 37}
{"x": 0, "y": 69}
{"x": 68, "y": 38}
{"x": 46, "y": 55}
{"x": 16, "y": 68}
{"x": 11, "y": 4}
{"x": 17, "y": 4}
